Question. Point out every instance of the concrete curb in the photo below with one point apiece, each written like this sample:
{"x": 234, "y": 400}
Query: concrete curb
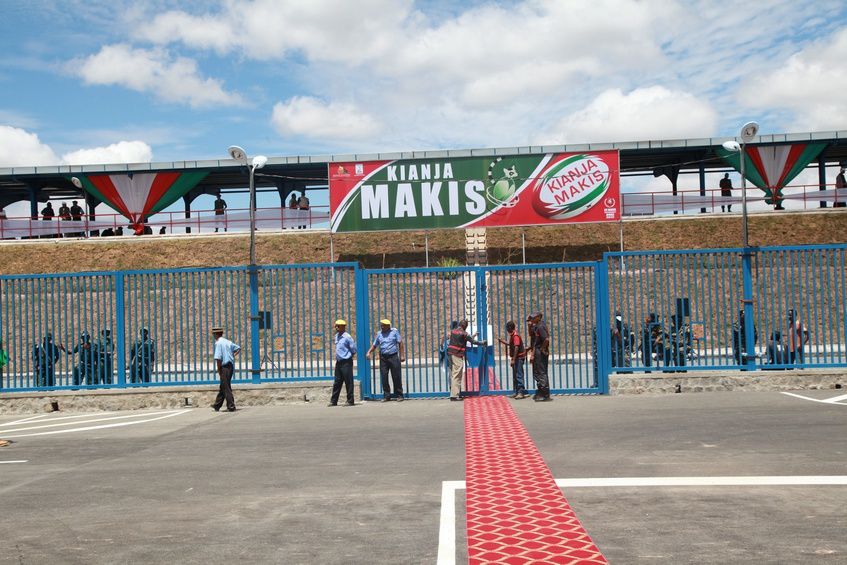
{"x": 711, "y": 381}
{"x": 200, "y": 396}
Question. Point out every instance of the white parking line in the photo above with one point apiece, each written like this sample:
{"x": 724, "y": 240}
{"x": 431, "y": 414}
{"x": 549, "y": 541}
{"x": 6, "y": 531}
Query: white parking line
{"x": 834, "y": 400}
{"x": 34, "y": 418}
{"x": 447, "y": 530}
{"x": 158, "y": 416}
{"x": 18, "y": 461}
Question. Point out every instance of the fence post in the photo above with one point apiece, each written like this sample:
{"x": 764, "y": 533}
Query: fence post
{"x": 255, "y": 357}
{"x": 749, "y": 322}
{"x": 482, "y": 326}
{"x": 120, "y": 330}
{"x": 363, "y": 335}
{"x": 603, "y": 357}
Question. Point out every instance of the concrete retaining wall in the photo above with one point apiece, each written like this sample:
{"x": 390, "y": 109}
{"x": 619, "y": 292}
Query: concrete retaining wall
{"x": 712, "y": 381}
{"x": 165, "y": 397}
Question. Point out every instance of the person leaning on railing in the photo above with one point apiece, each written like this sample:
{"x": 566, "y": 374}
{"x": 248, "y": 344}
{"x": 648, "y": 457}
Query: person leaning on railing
{"x": 840, "y": 184}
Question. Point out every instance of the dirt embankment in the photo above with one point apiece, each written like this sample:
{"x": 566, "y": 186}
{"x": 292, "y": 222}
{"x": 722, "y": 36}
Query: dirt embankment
{"x": 407, "y": 249}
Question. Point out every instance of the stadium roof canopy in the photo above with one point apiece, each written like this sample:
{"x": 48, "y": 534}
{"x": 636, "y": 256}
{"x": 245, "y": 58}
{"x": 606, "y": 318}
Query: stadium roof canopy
{"x": 298, "y": 172}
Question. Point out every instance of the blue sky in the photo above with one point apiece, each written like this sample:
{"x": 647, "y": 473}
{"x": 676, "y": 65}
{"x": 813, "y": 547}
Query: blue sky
{"x": 159, "y": 80}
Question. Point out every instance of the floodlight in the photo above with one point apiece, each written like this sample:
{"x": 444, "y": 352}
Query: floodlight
{"x": 76, "y": 182}
{"x": 259, "y": 161}
{"x": 749, "y": 131}
{"x": 732, "y": 146}
{"x": 237, "y": 153}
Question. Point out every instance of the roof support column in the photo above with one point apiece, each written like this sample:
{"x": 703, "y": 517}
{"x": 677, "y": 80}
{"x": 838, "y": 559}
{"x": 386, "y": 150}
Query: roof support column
{"x": 702, "y": 185}
{"x": 822, "y": 177}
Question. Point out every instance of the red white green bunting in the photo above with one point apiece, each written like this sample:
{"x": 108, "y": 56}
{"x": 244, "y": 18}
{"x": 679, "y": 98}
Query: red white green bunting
{"x": 138, "y": 195}
{"x": 772, "y": 167}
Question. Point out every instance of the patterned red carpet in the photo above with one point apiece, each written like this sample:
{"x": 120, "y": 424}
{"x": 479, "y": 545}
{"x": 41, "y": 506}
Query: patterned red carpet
{"x": 515, "y": 511}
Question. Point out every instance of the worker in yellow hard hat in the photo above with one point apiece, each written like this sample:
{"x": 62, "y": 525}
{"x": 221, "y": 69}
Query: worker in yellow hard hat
{"x": 345, "y": 350}
{"x": 391, "y": 355}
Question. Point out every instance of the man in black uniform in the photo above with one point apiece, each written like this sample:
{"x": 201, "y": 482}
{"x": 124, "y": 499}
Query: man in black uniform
{"x": 142, "y": 357}
{"x": 45, "y": 357}
{"x": 539, "y": 356}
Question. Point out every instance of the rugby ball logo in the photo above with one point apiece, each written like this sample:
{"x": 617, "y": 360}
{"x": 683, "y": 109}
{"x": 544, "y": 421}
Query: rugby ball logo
{"x": 571, "y": 186}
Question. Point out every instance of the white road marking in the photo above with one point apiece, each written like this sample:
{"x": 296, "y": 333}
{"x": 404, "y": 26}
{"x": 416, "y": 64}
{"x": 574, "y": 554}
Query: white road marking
{"x": 33, "y": 418}
{"x": 159, "y": 416}
{"x": 18, "y": 461}
{"x": 835, "y": 400}
{"x": 447, "y": 530}
{"x": 44, "y": 423}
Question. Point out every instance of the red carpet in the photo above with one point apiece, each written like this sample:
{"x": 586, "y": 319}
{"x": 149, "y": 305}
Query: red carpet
{"x": 515, "y": 511}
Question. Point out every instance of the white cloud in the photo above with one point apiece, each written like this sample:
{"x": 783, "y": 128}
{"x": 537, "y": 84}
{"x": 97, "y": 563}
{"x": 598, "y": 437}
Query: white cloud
{"x": 811, "y": 83}
{"x": 173, "y": 79}
{"x": 309, "y": 117}
{"x": 121, "y": 152}
{"x": 20, "y": 148}
{"x": 645, "y": 113}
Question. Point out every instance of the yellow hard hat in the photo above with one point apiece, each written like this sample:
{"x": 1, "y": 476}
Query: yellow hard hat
{"x": 340, "y": 322}
{"x": 385, "y": 322}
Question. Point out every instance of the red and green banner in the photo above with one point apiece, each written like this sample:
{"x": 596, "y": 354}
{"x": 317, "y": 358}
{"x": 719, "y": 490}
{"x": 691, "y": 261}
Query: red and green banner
{"x": 772, "y": 167}
{"x": 138, "y": 195}
{"x": 470, "y": 192}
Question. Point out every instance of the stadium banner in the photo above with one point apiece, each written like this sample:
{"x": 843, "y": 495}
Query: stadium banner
{"x": 470, "y": 192}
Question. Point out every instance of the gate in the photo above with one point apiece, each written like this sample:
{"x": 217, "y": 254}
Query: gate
{"x": 423, "y": 304}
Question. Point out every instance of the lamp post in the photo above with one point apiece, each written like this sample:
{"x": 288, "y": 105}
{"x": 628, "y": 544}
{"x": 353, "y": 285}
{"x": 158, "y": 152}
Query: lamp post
{"x": 258, "y": 162}
{"x": 748, "y": 132}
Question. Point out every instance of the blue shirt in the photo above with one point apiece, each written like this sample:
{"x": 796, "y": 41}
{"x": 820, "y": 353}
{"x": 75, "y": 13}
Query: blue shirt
{"x": 225, "y": 350}
{"x": 388, "y": 342}
{"x": 345, "y": 347}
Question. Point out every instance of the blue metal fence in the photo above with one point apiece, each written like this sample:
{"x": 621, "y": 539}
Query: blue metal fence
{"x": 678, "y": 310}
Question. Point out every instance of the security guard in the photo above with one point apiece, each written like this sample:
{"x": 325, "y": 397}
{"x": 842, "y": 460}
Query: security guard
{"x": 459, "y": 337}
{"x": 104, "y": 350}
{"x": 345, "y": 350}
{"x": 84, "y": 370}
{"x": 391, "y": 355}
{"x": 539, "y": 356}
{"x": 142, "y": 357}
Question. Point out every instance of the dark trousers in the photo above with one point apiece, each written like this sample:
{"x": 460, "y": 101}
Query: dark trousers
{"x": 517, "y": 376}
{"x": 390, "y": 363}
{"x": 343, "y": 374}
{"x": 796, "y": 357}
{"x": 225, "y": 392}
{"x": 539, "y": 372}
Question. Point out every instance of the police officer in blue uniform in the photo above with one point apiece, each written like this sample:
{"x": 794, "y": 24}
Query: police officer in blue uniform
{"x": 84, "y": 370}
{"x": 345, "y": 350}
{"x": 391, "y": 355}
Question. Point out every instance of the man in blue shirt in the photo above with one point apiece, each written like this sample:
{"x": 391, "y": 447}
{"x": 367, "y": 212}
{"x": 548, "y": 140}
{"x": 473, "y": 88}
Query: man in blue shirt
{"x": 225, "y": 353}
{"x": 391, "y": 354}
{"x": 345, "y": 350}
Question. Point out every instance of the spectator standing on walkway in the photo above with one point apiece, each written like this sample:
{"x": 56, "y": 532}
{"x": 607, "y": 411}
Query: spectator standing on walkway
{"x": 225, "y": 354}
{"x": 459, "y": 338}
{"x": 220, "y": 210}
{"x": 391, "y": 355}
{"x": 303, "y": 204}
{"x": 739, "y": 341}
{"x": 798, "y": 337}
{"x": 517, "y": 358}
{"x": 47, "y": 215}
{"x": 840, "y": 189}
{"x": 726, "y": 191}
{"x": 539, "y": 357}
{"x": 345, "y": 350}
{"x": 64, "y": 211}
{"x": 292, "y": 202}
